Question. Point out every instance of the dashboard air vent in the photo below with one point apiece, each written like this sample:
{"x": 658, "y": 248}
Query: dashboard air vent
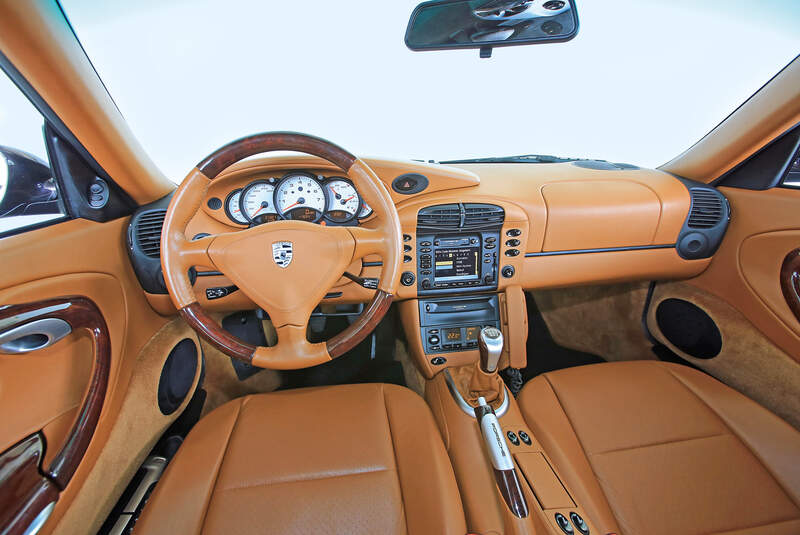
{"x": 706, "y": 208}
{"x": 148, "y": 232}
{"x": 440, "y": 216}
{"x": 481, "y": 215}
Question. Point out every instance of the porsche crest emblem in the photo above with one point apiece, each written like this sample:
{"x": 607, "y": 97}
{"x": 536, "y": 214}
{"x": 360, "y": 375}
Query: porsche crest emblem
{"x": 282, "y": 253}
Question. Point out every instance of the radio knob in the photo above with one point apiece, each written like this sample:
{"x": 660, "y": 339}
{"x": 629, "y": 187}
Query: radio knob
{"x": 426, "y": 284}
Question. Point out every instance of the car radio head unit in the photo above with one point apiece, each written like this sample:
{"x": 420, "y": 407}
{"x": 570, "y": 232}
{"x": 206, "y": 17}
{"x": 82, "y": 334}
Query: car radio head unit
{"x": 457, "y": 247}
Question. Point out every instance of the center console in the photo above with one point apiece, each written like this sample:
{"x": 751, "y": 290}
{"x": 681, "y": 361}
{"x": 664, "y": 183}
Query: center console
{"x": 451, "y": 324}
{"x": 457, "y": 247}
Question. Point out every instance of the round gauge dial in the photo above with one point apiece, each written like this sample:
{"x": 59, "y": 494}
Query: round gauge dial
{"x": 232, "y": 208}
{"x": 343, "y": 200}
{"x": 257, "y": 204}
{"x": 365, "y": 211}
{"x": 299, "y": 196}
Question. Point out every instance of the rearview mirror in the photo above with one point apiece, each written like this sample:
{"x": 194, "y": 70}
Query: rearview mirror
{"x": 484, "y": 24}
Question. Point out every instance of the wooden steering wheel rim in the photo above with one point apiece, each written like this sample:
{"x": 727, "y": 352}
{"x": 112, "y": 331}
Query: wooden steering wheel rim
{"x": 179, "y": 254}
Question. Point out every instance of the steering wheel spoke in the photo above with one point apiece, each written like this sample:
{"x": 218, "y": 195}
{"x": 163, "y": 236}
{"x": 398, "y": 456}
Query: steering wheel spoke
{"x": 369, "y": 241}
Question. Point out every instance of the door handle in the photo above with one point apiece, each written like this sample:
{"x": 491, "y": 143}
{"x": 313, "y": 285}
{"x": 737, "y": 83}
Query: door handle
{"x": 37, "y": 334}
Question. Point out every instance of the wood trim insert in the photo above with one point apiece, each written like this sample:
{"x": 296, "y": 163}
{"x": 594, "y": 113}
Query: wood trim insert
{"x": 790, "y": 281}
{"x": 237, "y": 150}
{"x": 214, "y": 334}
{"x": 24, "y": 492}
{"x": 31, "y": 491}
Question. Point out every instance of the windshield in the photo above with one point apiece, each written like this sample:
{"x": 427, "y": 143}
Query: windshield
{"x": 640, "y": 83}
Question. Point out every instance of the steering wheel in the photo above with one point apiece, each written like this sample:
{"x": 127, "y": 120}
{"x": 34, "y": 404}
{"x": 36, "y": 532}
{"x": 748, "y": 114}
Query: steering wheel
{"x": 288, "y": 291}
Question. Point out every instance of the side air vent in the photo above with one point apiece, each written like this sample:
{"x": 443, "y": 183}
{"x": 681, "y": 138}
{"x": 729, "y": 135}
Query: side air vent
{"x": 706, "y": 209}
{"x": 482, "y": 215}
{"x": 441, "y": 216}
{"x": 148, "y": 232}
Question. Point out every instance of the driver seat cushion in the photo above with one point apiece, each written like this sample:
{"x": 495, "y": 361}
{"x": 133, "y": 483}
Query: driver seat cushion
{"x": 344, "y": 459}
{"x": 655, "y": 448}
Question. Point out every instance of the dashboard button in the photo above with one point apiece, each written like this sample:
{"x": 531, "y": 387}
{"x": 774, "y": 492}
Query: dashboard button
{"x": 512, "y": 243}
{"x": 433, "y": 339}
{"x": 406, "y": 237}
{"x": 507, "y": 271}
{"x": 512, "y": 252}
{"x": 514, "y": 232}
{"x": 407, "y": 258}
{"x": 407, "y": 278}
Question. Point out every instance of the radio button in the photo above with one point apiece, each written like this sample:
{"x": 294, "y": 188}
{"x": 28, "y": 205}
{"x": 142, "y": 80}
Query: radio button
{"x": 425, "y": 243}
{"x": 489, "y": 246}
{"x": 426, "y": 250}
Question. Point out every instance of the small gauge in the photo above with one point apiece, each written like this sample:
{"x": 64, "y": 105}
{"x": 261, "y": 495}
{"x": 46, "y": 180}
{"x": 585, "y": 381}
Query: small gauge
{"x": 365, "y": 211}
{"x": 257, "y": 204}
{"x": 232, "y": 208}
{"x": 343, "y": 200}
{"x": 299, "y": 196}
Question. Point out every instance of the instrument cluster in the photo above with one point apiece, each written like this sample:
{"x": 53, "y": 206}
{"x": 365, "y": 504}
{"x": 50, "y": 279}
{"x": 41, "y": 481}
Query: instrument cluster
{"x": 299, "y": 196}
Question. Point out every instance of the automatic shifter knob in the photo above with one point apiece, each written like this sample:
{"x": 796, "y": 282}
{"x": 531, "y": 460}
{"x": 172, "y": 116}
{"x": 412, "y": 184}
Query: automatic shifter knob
{"x": 490, "y": 345}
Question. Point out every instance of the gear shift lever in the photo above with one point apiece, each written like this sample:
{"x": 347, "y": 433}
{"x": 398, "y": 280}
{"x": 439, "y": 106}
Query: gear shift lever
{"x": 490, "y": 346}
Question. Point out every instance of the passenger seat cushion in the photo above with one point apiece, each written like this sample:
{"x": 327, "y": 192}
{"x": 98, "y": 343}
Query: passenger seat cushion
{"x": 354, "y": 459}
{"x": 652, "y": 447}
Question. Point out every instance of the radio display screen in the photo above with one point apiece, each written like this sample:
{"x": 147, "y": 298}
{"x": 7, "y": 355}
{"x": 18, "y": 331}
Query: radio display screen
{"x": 457, "y": 264}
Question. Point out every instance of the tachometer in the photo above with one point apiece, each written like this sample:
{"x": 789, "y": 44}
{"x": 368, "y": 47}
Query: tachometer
{"x": 343, "y": 200}
{"x": 299, "y": 196}
{"x": 232, "y": 208}
{"x": 257, "y": 203}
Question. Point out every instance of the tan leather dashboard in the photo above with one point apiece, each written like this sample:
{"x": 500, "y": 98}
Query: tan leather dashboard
{"x": 577, "y": 225}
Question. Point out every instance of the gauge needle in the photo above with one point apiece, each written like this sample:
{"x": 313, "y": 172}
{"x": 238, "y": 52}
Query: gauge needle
{"x": 291, "y": 205}
{"x": 350, "y": 197}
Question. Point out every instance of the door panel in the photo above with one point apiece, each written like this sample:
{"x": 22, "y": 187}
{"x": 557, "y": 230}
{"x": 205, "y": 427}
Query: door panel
{"x": 745, "y": 271}
{"x": 41, "y": 390}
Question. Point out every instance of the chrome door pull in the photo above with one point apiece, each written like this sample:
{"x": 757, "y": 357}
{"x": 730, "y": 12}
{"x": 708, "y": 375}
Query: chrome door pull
{"x": 37, "y": 334}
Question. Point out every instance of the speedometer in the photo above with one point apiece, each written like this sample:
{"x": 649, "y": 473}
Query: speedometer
{"x": 299, "y": 196}
{"x": 232, "y": 208}
{"x": 257, "y": 202}
{"x": 343, "y": 200}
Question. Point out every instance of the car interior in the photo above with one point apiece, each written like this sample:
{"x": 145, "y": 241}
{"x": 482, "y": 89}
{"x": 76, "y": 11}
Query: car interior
{"x": 298, "y": 339}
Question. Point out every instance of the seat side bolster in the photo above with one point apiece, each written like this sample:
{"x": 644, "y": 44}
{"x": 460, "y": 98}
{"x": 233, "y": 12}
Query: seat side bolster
{"x": 180, "y": 501}
{"x": 431, "y": 499}
{"x": 551, "y": 426}
{"x": 771, "y": 440}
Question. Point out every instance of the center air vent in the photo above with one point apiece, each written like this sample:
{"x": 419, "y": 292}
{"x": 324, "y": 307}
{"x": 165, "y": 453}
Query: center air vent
{"x": 441, "y": 216}
{"x": 460, "y": 216}
{"x": 706, "y": 209}
{"x": 147, "y": 233}
{"x": 482, "y": 215}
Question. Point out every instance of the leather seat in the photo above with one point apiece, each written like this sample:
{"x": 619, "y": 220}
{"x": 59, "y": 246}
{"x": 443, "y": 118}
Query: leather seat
{"x": 657, "y": 448}
{"x": 345, "y": 459}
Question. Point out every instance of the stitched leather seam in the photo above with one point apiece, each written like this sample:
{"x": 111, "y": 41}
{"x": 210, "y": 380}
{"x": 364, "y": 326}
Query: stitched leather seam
{"x": 394, "y": 456}
{"x": 221, "y": 462}
{"x": 305, "y": 480}
{"x": 745, "y": 443}
{"x": 664, "y": 443}
{"x": 583, "y": 450}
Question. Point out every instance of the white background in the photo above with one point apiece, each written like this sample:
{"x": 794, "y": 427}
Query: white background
{"x": 641, "y": 82}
